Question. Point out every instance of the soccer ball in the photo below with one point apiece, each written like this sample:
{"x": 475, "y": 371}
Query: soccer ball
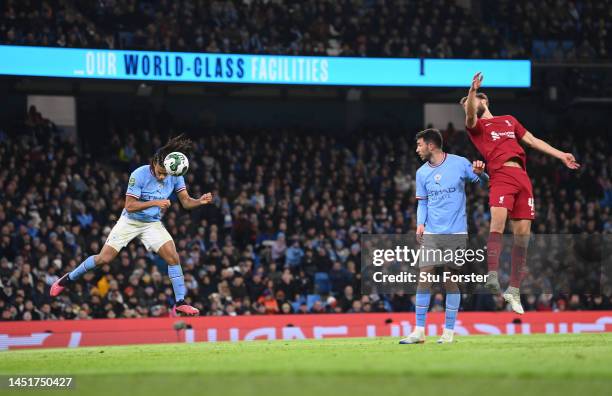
{"x": 176, "y": 164}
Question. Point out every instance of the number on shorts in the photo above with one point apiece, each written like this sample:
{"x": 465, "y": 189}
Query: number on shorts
{"x": 531, "y": 204}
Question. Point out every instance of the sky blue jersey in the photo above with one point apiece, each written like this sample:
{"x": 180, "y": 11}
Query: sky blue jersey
{"x": 442, "y": 187}
{"x": 145, "y": 187}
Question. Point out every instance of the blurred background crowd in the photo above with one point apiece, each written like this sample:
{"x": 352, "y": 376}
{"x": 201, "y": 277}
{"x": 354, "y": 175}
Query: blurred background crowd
{"x": 283, "y": 233}
{"x": 554, "y": 30}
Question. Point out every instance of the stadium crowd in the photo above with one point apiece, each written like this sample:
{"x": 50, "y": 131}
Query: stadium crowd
{"x": 550, "y": 29}
{"x": 283, "y": 235}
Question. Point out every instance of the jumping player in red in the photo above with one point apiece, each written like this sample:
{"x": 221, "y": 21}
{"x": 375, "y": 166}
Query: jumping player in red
{"x": 510, "y": 194}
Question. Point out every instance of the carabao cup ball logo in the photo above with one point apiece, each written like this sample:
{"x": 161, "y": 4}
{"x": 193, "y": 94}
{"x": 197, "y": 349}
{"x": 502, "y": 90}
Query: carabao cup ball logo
{"x": 176, "y": 164}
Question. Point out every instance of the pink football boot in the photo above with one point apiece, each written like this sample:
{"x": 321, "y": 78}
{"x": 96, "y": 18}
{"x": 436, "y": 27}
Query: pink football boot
{"x": 58, "y": 286}
{"x": 182, "y": 308}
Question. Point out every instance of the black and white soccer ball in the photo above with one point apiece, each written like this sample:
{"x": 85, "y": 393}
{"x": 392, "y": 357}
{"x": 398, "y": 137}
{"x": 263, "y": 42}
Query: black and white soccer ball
{"x": 176, "y": 164}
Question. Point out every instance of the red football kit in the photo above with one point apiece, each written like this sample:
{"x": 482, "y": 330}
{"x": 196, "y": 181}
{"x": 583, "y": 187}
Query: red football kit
{"x": 497, "y": 139}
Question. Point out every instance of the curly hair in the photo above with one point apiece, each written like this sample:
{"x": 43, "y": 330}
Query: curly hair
{"x": 178, "y": 143}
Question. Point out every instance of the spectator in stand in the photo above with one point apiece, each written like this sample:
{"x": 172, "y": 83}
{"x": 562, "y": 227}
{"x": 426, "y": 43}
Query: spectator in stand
{"x": 299, "y": 213}
{"x": 574, "y": 30}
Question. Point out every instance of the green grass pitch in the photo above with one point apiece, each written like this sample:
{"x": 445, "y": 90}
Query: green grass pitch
{"x": 574, "y": 364}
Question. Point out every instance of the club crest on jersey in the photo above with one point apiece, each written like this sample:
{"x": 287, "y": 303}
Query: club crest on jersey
{"x": 437, "y": 178}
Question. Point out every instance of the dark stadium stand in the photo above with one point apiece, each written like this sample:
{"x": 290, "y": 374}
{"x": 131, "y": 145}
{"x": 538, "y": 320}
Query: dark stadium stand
{"x": 283, "y": 233}
{"x": 542, "y": 30}
{"x": 276, "y": 240}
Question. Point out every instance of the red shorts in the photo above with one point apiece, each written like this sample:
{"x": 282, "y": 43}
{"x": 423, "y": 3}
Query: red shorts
{"x": 510, "y": 188}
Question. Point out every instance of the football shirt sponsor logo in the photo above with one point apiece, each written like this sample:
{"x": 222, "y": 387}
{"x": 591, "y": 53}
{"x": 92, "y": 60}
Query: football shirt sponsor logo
{"x": 495, "y": 135}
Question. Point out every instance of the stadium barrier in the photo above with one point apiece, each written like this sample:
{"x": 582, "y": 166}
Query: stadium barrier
{"x": 76, "y": 333}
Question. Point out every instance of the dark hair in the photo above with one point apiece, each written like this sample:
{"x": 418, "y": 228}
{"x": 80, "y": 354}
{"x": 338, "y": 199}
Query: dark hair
{"x": 178, "y": 143}
{"x": 479, "y": 95}
{"x": 430, "y": 135}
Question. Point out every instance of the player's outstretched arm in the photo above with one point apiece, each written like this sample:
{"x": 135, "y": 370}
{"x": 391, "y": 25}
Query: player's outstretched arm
{"x": 538, "y": 144}
{"x": 471, "y": 113}
{"x": 189, "y": 203}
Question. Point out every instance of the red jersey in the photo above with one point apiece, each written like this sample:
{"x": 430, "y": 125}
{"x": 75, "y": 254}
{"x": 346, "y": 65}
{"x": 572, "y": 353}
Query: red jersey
{"x": 497, "y": 139}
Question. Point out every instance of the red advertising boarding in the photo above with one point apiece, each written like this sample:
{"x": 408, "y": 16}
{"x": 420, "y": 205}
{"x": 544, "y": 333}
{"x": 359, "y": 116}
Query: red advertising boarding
{"x": 76, "y": 333}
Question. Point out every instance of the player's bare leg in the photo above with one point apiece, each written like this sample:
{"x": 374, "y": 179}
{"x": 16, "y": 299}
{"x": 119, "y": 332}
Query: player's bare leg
{"x": 422, "y": 306}
{"x": 106, "y": 256}
{"x": 494, "y": 247}
{"x": 168, "y": 252}
{"x": 521, "y": 230}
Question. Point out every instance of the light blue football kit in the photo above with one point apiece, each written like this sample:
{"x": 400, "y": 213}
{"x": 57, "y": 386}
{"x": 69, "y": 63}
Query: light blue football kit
{"x": 440, "y": 190}
{"x": 144, "y": 186}
{"x": 144, "y": 224}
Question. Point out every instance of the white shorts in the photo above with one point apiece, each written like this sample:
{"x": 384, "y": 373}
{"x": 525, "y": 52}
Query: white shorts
{"x": 153, "y": 235}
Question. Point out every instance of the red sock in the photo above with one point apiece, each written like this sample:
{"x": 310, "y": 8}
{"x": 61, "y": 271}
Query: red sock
{"x": 519, "y": 265}
{"x": 494, "y": 246}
